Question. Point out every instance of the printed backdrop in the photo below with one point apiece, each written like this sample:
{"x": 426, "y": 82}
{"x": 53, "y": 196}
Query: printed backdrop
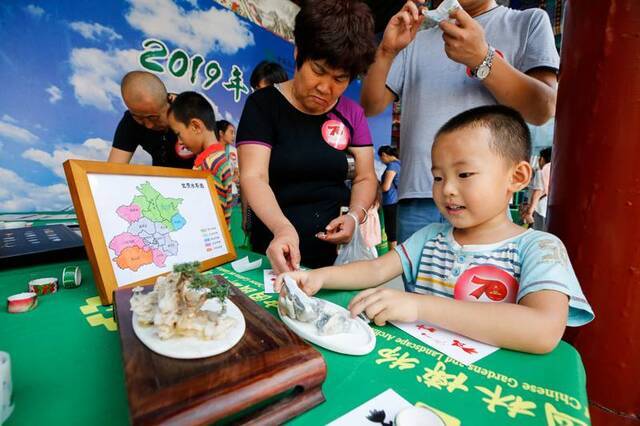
{"x": 61, "y": 62}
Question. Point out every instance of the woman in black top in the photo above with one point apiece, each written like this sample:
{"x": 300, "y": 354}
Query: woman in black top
{"x": 293, "y": 139}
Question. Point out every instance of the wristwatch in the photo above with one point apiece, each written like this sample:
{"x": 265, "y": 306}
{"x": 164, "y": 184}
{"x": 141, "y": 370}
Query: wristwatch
{"x": 482, "y": 71}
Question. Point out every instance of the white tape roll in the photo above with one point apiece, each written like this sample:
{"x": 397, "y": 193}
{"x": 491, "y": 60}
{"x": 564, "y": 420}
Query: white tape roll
{"x": 6, "y": 403}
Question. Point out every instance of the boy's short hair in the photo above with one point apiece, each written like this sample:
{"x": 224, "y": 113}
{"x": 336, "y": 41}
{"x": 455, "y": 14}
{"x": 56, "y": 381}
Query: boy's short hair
{"x": 339, "y": 32}
{"x": 546, "y": 154}
{"x": 189, "y": 105}
{"x": 270, "y": 72}
{"x": 511, "y": 138}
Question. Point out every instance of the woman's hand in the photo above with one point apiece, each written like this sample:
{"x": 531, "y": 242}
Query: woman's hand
{"x": 339, "y": 230}
{"x": 284, "y": 250}
{"x": 385, "y": 304}
{"x": 309, "y": 281}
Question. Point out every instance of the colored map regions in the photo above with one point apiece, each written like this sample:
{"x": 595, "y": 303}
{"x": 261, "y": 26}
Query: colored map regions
{"x": 152, "y": 218}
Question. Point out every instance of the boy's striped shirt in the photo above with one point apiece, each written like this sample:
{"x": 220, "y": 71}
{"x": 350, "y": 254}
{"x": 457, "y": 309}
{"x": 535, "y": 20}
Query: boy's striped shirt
{"x": 215, "y": 161}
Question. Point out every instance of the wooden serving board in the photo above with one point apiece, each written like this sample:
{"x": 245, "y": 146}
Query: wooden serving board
{"x": 269, "y": 363}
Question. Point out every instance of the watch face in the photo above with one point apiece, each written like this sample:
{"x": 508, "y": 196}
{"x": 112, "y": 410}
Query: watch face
{"x": 483, "y": 72}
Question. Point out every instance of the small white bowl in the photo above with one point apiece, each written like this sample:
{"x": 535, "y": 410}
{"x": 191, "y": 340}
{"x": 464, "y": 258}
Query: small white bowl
{"x": 418, "y": 416}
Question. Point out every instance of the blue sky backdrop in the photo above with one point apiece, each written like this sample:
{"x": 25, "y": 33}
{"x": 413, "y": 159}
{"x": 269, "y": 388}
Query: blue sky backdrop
{"x": 61, "y": 62}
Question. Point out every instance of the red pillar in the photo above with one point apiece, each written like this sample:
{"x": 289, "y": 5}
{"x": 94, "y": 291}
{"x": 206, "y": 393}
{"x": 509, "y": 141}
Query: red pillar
{"x": 595, "y": 196}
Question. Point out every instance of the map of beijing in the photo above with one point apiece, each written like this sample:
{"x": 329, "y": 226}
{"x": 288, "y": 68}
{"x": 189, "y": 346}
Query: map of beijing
{"x": 152, "y": 218}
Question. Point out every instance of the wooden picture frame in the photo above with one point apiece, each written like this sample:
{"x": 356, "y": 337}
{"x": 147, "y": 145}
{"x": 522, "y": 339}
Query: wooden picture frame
{"x": 136, "y": 256}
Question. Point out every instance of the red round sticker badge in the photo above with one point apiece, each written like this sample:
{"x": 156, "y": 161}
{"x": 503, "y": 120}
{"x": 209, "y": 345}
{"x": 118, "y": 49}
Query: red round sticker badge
{"x": 182, "y": 151}
{"x": 486, "y": 283}
{"x": 336, "y": 134}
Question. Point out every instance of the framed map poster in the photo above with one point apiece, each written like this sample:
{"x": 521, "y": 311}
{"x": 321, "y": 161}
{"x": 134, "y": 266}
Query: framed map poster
{"x": 138, "y": 221}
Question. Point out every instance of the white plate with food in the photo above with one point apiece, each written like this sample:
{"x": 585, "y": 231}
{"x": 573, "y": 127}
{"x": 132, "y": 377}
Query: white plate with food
{"x": 189, "y": 347}
{"x": 360, "y": 340}
{"x": 324, "y": 323}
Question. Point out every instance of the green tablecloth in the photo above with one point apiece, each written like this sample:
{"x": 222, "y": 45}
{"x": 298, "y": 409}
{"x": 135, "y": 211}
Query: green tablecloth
{"x": 67, "y": 366}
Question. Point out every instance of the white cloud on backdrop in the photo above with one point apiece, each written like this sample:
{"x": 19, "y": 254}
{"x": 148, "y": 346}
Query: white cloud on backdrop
{"x": 200, "y": 31}
{"x": 8, "y": 130}
{"x": 35, "y": 11}
{"x": 96, "y": 75}
{"x": 55, "y": 94}
{"x": 16, "y": 194}
{"x": 91, "y": 149}
{"x": 8, "y": 118}
{"x": 94, "y": 31}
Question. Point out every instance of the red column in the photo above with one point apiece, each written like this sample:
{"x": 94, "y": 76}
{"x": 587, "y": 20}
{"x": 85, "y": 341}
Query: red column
{"x": 594, "y": 205}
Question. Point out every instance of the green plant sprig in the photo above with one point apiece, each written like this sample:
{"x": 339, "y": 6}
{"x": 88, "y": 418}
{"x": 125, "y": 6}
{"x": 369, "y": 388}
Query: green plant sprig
{"x": 199, "y": 281}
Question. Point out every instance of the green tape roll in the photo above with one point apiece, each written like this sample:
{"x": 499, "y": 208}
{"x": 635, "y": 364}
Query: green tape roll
{"x": 71, "y": 277}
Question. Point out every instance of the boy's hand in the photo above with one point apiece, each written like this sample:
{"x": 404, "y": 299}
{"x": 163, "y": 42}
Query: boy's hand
{"x": 464, "y": 40}
{"x": 308, "y": 281}
{"x": 384, "y": 304}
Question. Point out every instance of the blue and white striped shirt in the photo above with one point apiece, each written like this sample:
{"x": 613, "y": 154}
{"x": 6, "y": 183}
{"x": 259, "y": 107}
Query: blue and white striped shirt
{"x": 506, "y": 271}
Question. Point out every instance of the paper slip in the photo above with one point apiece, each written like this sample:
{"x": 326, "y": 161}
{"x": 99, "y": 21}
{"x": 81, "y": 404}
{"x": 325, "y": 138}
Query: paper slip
{"x": 269, "y": 278}
{"x": 243, "y": 265}
{"x": 458, "y": 347}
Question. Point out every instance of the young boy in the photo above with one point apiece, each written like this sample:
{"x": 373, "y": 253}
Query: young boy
{"x": 479, "y": 160}
{"x": 192, "y": 119}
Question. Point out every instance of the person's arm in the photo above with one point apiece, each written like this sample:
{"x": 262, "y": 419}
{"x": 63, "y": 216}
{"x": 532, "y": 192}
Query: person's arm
{"x": 283, "y": 251}
{"x": 363, "y": 193}
{"x": 352, "y": 276}
{"x": 501, "y": 324}
{"x": 533, "y": 203}
{"x": 532, "y": 94}
{"x": 375, "y": 96}
{"x": 387, "y": 180}
{"x": 400, "y": 31}
{"x": 119, "y": 156}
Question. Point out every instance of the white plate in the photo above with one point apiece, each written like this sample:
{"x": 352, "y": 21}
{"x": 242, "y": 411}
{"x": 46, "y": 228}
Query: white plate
{"x": 418, "y": 416}
{"x": 360, "y": 341}
{"x": 192, "y": 347}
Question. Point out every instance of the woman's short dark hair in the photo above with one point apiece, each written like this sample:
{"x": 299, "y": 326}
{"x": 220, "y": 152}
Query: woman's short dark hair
{"x": 270, "y": 72}
{"x": 222, "y": 126}
{"x": 339, "y": 32}
{"x": 546, "y": 154}
{"x": 387, "y": 149}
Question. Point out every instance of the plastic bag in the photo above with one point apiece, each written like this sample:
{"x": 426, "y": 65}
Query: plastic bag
{"x": 434, "y": 17}
{"x": 355, "y": 250}
{"x": 371, "y": 230}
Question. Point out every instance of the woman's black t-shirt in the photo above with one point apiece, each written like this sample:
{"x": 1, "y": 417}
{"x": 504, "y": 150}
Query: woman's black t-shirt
{"x": 307, "y": 166}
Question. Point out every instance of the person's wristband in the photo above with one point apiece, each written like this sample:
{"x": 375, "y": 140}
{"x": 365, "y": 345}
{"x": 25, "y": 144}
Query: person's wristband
{"x": 364, "y": 220}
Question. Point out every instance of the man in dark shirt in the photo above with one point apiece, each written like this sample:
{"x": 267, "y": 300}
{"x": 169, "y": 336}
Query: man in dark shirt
{"x": 145, "y": 124}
